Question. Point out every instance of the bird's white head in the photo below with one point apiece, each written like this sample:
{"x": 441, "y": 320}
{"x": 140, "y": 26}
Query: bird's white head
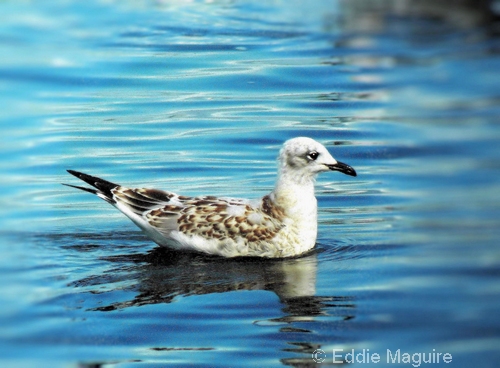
{"x": 304, "y": 158}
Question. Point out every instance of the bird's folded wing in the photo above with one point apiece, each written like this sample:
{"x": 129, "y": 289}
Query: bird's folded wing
{"x": 142, "y": 200}
{"x": 214, "y": 218}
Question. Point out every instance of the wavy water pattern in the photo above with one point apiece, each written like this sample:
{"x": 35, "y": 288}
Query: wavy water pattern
{"x": 197, "y": 97}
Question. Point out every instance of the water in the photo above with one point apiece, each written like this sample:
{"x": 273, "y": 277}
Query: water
{"x": 197, "y": 98}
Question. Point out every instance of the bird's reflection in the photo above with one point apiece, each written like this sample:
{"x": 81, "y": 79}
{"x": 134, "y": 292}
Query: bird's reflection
{"x": 161, "y": 275}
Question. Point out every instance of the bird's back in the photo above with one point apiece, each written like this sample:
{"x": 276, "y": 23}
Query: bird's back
{"x": 222, "y": 226}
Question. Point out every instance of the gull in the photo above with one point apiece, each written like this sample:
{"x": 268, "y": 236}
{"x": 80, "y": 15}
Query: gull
{"x": 281, "y": 224}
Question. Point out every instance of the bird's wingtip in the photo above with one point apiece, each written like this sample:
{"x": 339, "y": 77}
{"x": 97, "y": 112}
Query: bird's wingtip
{"x": 90, "y": 190}
{"x": 102, "y": 186}
{"x": 74, "y": 172}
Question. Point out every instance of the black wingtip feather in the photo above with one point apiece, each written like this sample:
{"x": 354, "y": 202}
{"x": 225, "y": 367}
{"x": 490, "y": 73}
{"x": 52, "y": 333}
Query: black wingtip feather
{"x": 102, "y": 185}
{"x": 90, "y": 190}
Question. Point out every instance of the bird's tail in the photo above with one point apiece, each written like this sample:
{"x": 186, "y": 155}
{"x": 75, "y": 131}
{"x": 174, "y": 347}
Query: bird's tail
{"x": 102, "y": 187}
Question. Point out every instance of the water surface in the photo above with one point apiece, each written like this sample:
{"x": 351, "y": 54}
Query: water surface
{"x": 198, "y": 98}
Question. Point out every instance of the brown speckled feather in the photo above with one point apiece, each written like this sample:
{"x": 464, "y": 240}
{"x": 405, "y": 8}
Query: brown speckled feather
{"x": 209, "y": 217}
{"x": 215, "y": 218}
{"x": 142, "y": 200}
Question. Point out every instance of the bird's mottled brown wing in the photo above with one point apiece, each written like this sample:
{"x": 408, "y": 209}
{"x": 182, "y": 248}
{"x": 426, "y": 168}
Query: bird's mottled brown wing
{"x": 142, "y": 200}
{"x": 215, "y": 218}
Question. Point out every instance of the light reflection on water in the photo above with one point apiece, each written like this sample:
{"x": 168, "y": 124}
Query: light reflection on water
{"x": 197, "y": 98}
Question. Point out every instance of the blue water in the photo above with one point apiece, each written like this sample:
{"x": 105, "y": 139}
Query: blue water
{"x": 197, "y": 97}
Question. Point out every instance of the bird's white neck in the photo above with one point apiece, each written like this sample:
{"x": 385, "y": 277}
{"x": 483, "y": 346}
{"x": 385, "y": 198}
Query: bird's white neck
{"x": 296, "y": 194}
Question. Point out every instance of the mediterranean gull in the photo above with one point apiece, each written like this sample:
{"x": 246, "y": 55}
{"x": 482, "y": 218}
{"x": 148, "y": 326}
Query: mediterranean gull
{"x": 283, "y": 223}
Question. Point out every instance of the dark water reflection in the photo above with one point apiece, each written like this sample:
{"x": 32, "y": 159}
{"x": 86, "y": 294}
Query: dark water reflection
{"x": 161, "y": 275}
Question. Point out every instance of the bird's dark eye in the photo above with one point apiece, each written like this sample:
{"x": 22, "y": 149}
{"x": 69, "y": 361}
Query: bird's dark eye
{"x": 313, "y": 155}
